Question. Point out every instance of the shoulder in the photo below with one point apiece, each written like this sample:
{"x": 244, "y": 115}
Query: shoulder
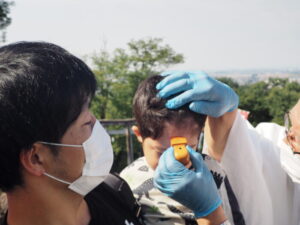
{"x": 264, "y": 138}
{"x": 112, "y": 202}
{"x": 137, "y": 173}
{"x": 139, "y": 164}
{"x": 271, "y": 131}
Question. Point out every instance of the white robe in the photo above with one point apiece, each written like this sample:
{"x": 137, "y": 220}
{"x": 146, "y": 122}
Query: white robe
{"x": 251, "y": 160}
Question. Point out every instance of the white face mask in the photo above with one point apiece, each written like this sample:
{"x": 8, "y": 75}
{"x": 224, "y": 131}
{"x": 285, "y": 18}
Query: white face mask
{"x": 290, "y": 162}
{"x": 98, "y": 161}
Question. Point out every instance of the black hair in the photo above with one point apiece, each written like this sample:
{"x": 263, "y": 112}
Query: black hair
{"x": 150, "y": 111}
{"x": 42, "y": 91}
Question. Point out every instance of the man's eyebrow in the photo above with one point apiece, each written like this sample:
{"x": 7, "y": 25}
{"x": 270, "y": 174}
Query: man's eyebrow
{"x": 85, "y": 123}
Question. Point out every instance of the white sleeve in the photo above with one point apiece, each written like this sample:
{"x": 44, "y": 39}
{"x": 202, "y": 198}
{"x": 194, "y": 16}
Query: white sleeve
{"x": 253, "y": 168}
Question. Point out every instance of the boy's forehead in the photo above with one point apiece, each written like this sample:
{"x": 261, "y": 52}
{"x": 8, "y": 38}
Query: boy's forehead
{"x": 180, "y": 129}
{"x": 186, "y": 124}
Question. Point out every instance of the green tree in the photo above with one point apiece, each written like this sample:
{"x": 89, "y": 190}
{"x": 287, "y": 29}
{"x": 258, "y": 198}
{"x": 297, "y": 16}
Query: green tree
{"x": 5, "y": 19}
{"x": 283, "y": 95}
{"x": 253, "y": 99}
{"x": 268, "y": 100}
{"x": 118, "y": 75}
{"x": 230, "y": 82}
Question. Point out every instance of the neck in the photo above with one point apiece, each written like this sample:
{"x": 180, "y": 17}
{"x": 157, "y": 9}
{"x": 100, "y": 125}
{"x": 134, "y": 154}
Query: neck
{"x": 42, "y": 204}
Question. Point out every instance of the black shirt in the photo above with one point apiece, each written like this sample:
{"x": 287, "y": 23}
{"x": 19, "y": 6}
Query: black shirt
{"x": 107, "y": 207}
{"x": 3, "y": 220}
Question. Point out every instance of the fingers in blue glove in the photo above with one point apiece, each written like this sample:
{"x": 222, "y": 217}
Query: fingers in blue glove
{"x": 196, "y": 158}
{"x": 170, "y": 163}
{"x": 206, "y": 95}
{"x": 207, "y": 108}
{"x": 194, "y": 189}
{"x": 176, "y": 87}
{"x": 172, "y": 72}
{"x": 168, "y": 172}
{"x": 189, "y": 95}
{"x": 184, "y": 82}
{"x": 169, "y": 72}
{"x": 167, "y": 161}
{"x": 210, "y": 108}
{"x": 171, "y": 77}
{"x": 182, "y": 99}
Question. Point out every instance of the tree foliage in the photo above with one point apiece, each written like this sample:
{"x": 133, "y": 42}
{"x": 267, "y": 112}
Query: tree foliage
{"x": 268, "y": 100}
{"x": 118, "y": 74}
{"x": 5, "y": 19}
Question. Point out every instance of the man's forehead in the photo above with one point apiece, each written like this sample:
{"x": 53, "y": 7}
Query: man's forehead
{"x": 295, "y": 114}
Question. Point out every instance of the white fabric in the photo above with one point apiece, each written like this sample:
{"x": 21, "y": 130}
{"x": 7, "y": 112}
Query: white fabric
{"x": 290, "y": 162}
{"x": 98, "y": 161}
{"x": 98, "y": 152}
{"x": 251, "y": 160}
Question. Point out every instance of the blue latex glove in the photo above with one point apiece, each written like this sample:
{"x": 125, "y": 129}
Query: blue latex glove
{"x": 195, "y": 189}
{"x": 205, "y": 94}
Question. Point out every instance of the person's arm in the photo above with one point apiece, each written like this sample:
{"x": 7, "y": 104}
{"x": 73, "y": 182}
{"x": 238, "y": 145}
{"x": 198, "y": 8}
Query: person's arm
{"x": 216, "y": 132}
{"x": 217, "y": 217}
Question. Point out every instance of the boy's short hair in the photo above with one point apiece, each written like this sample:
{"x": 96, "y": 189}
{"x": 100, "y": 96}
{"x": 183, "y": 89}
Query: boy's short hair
{"x": 42, "y": 91}
{"x": 151, "y": 114}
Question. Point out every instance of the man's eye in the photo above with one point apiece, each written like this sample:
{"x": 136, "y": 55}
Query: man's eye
{"x": 292, "y": 138}
{"x": 88, "y": 123}
{"x": 159, "y": 151}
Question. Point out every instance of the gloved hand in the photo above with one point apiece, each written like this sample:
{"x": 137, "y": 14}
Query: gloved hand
{"x": 195, "y": 189}
{"x": 205, "y": 94}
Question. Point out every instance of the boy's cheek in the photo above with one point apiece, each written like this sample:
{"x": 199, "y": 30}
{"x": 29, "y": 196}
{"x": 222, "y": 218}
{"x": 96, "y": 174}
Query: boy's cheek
{"x": 152, "y": 158}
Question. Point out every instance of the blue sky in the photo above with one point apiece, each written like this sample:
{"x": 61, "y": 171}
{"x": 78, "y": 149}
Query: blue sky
{"x": 212, "y": 34}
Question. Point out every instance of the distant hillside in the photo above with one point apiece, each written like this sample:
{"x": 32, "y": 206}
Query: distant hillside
{"x": 248, "y": 77}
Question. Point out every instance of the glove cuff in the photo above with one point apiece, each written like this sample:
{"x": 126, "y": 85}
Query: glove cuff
{"x": 209, "y": 211}
{"x": 236, "y": 102}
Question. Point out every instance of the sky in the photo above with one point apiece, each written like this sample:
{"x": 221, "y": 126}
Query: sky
{"x": 211, "y": 34}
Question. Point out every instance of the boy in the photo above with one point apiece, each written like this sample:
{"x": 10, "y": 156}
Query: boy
{"x": 155, "y": 126}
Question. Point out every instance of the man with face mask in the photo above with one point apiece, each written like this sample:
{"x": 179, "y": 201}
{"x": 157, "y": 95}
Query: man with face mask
{"x": 53, "y": 151}
{"x": 262, "y": 163}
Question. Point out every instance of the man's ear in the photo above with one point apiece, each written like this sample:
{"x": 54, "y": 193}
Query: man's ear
{"x": 137, "y": 133}
{"x": 32, "y": 159}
